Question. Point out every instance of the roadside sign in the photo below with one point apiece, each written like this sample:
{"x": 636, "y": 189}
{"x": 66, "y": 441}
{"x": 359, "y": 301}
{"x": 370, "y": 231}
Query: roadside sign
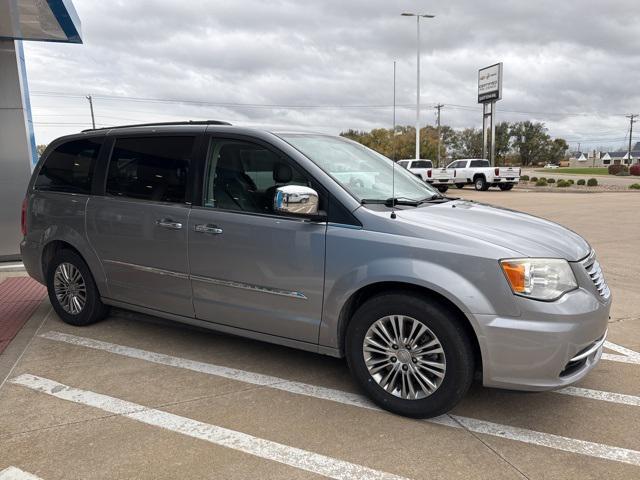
{"x": 490, "y": 83}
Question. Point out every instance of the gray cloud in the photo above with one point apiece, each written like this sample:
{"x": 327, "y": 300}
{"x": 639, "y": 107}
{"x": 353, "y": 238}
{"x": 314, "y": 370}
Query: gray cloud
{"x": 572, "y": 62}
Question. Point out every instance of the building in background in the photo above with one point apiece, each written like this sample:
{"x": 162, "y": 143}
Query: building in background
{"x": 38, "y": 20}
{"x": 595, "y": 158}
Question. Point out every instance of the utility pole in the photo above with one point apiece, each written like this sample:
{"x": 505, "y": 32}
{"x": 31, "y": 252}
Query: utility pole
{"x": 438, "y": 107}
{"x": 631, "y": 122}
{"x": 418, "y": 16}
{"x": 93, "y": 119}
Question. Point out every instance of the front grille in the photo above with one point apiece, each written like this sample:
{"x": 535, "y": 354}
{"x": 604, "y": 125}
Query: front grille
{"x": 592, "y": 266}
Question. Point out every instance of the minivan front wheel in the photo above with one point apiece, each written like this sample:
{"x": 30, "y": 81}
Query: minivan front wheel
{"x": 72, "y": 291}
{"x": 409, "y": 354}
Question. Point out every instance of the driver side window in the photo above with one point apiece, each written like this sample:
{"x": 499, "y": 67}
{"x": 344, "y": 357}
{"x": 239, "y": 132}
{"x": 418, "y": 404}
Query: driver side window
{"x": 244, "y": 176}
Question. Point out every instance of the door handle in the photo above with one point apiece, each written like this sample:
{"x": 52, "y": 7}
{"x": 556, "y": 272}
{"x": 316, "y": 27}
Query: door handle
{"x": 170, "y": 224}
{"x": 208, "y": 228}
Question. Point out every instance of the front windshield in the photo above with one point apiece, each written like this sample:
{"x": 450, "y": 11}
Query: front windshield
{"x": 361, "y": 171}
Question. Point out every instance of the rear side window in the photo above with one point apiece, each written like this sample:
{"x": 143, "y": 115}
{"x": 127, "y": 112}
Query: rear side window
{"x": 479, "y": 163}
{"x": 403, "y": 163}
{"x": 150, "y": 168}
{"x": 421, "y": 164}
{"x": 69, "y": 168}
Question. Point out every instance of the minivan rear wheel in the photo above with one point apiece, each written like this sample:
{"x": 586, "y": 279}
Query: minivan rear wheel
{"x": 72, "y": 290}
{"x": 409, "y": 354}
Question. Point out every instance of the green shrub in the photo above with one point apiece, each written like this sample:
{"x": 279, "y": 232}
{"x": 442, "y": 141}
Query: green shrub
{"x": 582, "y": 181}
{"x": 543, "y": 178}
{"x": 614, "y": 169}
{"x": 592, "y": 182}
{"x": 541, "y": 183}
{"x": 534, "y": 179}
{"x": 524, "y": 178}
{"x": 571, "y": 182}
{"x": 635, "y": 186}
{"x": 551, "y": 180}
{"x": 563, "y": 183}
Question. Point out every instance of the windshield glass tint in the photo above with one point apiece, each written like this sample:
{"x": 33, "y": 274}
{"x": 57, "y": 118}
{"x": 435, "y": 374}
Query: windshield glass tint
{"x": 367, "y": 175}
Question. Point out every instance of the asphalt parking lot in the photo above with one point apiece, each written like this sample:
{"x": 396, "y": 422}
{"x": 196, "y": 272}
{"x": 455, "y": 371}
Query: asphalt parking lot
{"x": 150, "y": 399}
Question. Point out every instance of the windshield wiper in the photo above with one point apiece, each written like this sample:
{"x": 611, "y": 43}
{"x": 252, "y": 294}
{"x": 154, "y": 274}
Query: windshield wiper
{"x": 391, "y": 201}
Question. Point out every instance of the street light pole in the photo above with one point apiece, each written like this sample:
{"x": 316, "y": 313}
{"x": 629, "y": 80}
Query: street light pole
{"x": 418, "y": 16}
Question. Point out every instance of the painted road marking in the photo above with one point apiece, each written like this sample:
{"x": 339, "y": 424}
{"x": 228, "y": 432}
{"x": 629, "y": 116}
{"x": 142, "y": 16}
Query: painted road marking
{"x": 281, "y": 383}
{"x": 13, "y": 473}
{"x": 612, "y": 397}
{"x": 628, "y": 355}
{"x": 259, "y": 447}
{"x": 479, "y": 426}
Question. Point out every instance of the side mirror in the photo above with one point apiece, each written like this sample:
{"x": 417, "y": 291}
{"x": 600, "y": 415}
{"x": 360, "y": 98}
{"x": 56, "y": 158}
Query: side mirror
{"x": 297, "y": 200}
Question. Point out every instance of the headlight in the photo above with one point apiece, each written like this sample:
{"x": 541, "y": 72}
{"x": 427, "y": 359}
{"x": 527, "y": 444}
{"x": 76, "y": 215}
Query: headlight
{"x": 539, "y": 278}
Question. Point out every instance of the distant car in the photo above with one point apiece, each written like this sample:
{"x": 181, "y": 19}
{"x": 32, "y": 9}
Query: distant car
{"x": 439, "y": 178}
{"x": 482, "y": 175}
{"x": 551, "y": 165}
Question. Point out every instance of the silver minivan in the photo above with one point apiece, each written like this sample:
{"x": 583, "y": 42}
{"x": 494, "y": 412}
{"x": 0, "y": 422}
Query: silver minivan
{"x": 314, "y": 242}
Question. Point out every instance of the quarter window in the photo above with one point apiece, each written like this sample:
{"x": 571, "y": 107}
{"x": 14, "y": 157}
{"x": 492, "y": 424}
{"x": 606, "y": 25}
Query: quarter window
{"x": 244, "y": 176}
{"x": 150, "y": 168}
{"x": 69, "y": 168}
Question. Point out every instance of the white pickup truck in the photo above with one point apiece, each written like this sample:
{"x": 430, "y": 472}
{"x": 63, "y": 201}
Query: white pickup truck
{"x": 482, "y": 175}
{"x": 439, "y": 178}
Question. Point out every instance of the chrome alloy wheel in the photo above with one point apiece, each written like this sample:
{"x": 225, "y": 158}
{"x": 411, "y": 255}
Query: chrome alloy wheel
{"x": 70, "y": 288}
{"x": 404, "y": 357}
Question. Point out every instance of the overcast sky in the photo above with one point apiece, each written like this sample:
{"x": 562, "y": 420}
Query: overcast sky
{"x": 573, "y": 64}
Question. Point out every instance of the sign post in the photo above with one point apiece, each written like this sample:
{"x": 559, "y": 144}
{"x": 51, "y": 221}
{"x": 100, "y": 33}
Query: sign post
{"x": 489, "y": 91}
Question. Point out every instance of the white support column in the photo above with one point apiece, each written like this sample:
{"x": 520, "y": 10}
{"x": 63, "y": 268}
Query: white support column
{"x": 17, "y": 144}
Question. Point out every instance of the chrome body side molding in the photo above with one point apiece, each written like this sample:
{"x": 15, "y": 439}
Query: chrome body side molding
{"x": 214, "y": 281}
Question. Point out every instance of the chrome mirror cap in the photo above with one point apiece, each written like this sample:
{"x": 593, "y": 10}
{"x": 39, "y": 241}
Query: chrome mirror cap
{"x": 296, "y": 200}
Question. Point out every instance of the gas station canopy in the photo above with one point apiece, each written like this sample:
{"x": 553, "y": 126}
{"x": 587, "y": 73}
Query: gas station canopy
{"x": 42, "y": 20}
{"x": 39, "y": 20}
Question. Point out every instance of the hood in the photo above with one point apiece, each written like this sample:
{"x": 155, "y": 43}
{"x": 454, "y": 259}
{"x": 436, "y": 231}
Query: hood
{"x": 528, "y": 235}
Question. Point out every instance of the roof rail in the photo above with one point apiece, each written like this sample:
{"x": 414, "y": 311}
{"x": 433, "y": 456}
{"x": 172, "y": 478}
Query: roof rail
{"x": 161, "y": 124}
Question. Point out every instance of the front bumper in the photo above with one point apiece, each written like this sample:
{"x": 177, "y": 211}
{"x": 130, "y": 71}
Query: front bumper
{"x": 553, "y": 344}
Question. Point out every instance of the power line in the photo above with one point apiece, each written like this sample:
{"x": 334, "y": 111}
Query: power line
{"x": 298, "y": 106}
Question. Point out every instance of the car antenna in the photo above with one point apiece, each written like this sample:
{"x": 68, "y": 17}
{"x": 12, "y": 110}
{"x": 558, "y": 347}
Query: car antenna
{"x": 393, "y": 148}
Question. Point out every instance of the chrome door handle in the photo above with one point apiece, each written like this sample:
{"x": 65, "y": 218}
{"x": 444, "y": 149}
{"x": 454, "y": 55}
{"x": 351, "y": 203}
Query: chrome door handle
{"x": 208, "y": 228}
{"x": 166, "y": 223}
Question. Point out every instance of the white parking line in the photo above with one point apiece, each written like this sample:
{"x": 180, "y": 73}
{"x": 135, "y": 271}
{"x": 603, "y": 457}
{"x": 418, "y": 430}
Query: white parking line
{"x": 612, "y": 397}
{"x": 628, "y": 355}
{"x": 13, "y": 473}
{"x": 479, "y": 426}
{"x": 259, "y": 447}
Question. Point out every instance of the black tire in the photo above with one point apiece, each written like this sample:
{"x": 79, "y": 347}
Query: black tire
{"x": 505, "y": 186}
{"x": 460, "y": 185}
{"x": 93, "y": 309}
{"x": 445, "y": 326}
{"x": 442, "y": 188}
{"x": 480, "y": 184}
